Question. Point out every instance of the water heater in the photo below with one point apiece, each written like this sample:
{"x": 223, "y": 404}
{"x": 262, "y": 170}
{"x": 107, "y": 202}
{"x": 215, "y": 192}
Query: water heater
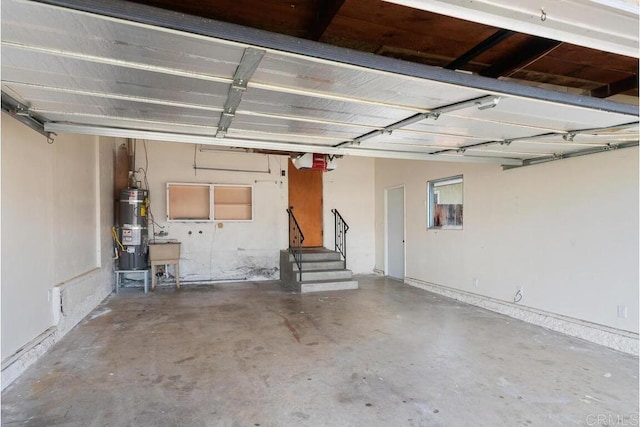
{"x": 133, "y": 229}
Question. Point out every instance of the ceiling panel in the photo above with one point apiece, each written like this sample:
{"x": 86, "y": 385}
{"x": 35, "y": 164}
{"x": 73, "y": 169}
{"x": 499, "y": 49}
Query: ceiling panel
{"x": 544, "y": 115}
{"x": 51, "y": 28}
{"x": 65, "y": 73}
{"x": 421, "y": 139}
{"x": 278, "y": 137}
{"x": 358, "y": 83}
{"x": 477, "y": 127}
{"x": 92, "y": 71}
{"x": 122, "y": 109}
{"x": 335, "y": 132}
{"x": 89, "y": 119}
{"x": 329, "y": 107}
{"x": 421, "y": 36}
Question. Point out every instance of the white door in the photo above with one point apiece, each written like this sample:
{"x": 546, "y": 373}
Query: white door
{"x": 395, "y": 232}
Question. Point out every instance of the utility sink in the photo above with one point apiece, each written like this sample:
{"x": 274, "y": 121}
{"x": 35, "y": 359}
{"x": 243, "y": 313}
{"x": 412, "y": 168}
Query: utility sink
{"x": 164, "y": 250}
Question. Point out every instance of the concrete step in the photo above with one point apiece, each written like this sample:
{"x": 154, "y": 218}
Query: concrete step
{"x": 320, "y": 265}
{"x": 325, "y": 255}
{"x": 323, "y": 286}
{"x": 325, "y": 275}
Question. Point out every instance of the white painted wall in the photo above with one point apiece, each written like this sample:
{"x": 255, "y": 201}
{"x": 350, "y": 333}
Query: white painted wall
{"x": 350, "y": 189}
{"x": 566, "y": 231}
{"x": 56, "y": 247}
{"x": 237, "y": 250}
{"x": 250, "y": 250}
{"x": 27, "y": 237}
{"x": 75, "y": 209}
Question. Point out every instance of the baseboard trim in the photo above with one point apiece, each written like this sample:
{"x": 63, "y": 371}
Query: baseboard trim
{"x": 378, "y": 272}
{"x": 74, "y": 300}
{"x": 616, "y": 339}
{"x": 14, "y": 365}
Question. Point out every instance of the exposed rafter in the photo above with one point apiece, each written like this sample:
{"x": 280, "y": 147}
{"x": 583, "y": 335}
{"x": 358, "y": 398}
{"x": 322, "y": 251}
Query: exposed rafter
{"x": 480, "y": 48}
{"x": 533, "y": 50}
{"x": 607, "y": 25}
{"x": 326, "y": 10}
{"x": 615, "y": 88}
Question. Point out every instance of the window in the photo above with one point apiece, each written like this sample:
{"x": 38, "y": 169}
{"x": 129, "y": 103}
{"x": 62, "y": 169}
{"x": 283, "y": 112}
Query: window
{"x": 189, "y": 202}
{"x": 209, "y": 202}
{"x": 444, "y": 206}
{"x": 233, "y": 202}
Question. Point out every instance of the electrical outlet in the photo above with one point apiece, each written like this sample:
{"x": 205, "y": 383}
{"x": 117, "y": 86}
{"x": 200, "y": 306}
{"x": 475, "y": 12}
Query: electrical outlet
{"x": 475, "y": 282}
{"x": 622, "y": 311}
{"x": 49, "y": 292}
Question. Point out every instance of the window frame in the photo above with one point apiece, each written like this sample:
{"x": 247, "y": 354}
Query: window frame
{"x": 431, "y": 185}
{"x": 212, "y": 202}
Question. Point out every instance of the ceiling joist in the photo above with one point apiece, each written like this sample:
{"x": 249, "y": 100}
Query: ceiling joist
{"x": 615, "y": 88}
{"x": 479, "y": 49}
{"x": 326, "y": 10}
{"x": 533, "y": 50}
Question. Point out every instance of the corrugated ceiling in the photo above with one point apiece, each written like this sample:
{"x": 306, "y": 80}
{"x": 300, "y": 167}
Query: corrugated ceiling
{"x": 90, "y": 73}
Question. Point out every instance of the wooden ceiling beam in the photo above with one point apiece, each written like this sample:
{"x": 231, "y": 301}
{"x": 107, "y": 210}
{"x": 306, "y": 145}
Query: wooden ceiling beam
{"x": 533, "y": 50}
{"x": 480, "y": 48}
{"x": 326, "y": 10}
{"x": 615, "y": 88}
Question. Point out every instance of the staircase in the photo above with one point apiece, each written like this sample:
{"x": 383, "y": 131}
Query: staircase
{"x": 322, "y": 270}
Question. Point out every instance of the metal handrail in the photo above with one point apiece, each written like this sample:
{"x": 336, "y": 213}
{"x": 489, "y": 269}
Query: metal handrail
{"x": 295, "y": 241}
{"x": 340, "y": 234}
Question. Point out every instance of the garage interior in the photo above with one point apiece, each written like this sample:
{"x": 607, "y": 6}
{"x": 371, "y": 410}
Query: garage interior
{"x": 413, "y": 213}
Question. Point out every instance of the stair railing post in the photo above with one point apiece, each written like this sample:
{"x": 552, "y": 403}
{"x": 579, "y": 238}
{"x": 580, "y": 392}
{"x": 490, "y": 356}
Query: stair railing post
{"x": 340, "y": 234}
{"x": 295, "y": 241}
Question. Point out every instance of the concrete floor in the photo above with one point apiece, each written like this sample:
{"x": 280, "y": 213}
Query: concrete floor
{"x": 252, "y": 354}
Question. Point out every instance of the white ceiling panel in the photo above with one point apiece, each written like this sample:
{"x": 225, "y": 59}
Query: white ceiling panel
{"x": 424, "y": 147}
{"x": 107, "y": 73}
{"x": 81, "y": 98}
{"x": 88, "y": 119}
{"x": 56, "y": 29}
{"x": 329, "y": 107}
{"x": 56, "y": 72}
{"x": 418, "y": 139}
{"x": 124, "y": 109}
{"x": 280, "y": 137}
{"x": 476, "y": 127}
{"x": 359, "y": 84}
{"x": 544, "y": 115}
{"x": 336, "y": 132}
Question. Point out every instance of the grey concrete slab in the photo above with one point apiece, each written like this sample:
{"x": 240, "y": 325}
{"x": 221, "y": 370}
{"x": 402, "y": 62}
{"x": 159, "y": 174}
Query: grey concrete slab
{"x": 253, "y": 354}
